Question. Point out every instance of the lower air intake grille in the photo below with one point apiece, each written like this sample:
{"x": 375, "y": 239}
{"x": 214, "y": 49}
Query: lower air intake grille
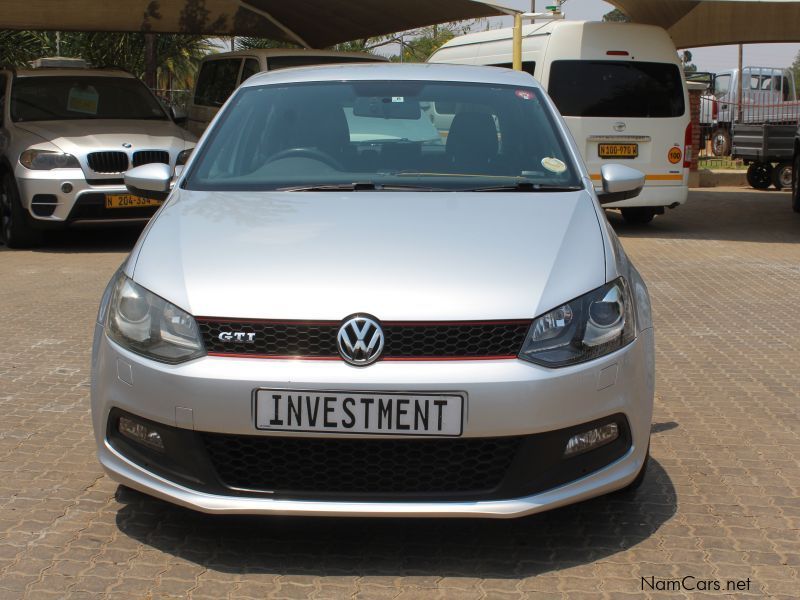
{"x": 145, "y": 157}
{"x": 108, "y": 162}
{"x": 358, "y": 467}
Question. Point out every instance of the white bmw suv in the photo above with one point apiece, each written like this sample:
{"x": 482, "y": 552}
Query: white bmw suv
{"x": 67, "y": 135}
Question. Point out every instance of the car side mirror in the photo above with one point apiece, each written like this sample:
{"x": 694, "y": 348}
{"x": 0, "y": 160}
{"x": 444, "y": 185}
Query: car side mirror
{"x": 619, "y": 183}
{"x": 149, "y": 181}
{"x": 178, "y": 115}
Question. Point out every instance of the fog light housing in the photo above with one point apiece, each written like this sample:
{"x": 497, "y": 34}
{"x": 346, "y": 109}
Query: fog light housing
{"x": 141, "y": 433}
{"x": 589, "y": 440}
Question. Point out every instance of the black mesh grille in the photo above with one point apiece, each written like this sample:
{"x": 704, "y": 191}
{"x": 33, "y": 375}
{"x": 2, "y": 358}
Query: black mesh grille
{"x": 108, "y": 162}
{"x": 339, "y": 466}
{"x": 145, "y": 157}
{"x": 402, "y": 340}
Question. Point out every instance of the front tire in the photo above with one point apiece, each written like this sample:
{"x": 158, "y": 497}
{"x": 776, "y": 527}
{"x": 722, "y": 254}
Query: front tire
{"x": 782, "y": 176}
{"x": 15, "y": 228}
{"x": 796, "y": 184}
{"x": 759, "y": 175}
{"x": 639, "y": 215}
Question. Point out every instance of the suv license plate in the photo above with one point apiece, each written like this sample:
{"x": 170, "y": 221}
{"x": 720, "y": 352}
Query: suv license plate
{"x": 618, "y": 150}
{"x": 129, "y": 201}
{"x": 359, "y": 412}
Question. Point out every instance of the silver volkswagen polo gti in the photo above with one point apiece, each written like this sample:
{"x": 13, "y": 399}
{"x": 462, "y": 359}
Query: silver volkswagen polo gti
{"x": 346, "y": 307}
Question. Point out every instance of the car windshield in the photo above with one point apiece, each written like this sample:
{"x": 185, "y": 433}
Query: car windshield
{"x": 56, "y": 98}
{"x": 385, "y": 135}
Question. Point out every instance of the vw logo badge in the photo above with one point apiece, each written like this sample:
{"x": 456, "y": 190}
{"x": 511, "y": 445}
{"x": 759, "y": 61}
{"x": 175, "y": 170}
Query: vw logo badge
{"x": 126, "y": 145}
{"x": 619, "y": 126}
{"x": 360, "y": 340}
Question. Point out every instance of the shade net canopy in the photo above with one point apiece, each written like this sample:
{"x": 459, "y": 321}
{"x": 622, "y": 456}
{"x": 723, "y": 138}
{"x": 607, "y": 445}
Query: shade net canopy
{"x": 697, "y": 23}
{"x": 313, "y": 23}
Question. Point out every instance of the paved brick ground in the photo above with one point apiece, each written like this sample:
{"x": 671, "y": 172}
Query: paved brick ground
{"x": 721, "y": 500}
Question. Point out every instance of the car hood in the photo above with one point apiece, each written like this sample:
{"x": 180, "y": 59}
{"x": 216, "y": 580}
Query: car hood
{"x": 395, "y": 255}
{"x": 84, "y": 135}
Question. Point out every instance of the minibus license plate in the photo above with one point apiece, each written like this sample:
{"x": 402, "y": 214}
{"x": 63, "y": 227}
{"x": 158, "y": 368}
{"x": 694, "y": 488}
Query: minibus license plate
{"x": 129, "y": 201}
{"x": 618, "y": 150}
{"x": 359, "y": 412}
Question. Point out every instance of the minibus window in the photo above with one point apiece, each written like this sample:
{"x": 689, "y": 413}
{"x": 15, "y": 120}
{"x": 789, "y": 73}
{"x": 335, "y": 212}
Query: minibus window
{"x": 596, "y": 88}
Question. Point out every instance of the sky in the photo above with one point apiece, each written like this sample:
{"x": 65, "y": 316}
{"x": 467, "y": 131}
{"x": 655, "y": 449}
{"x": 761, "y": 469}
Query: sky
{"x": 712, "y": 59}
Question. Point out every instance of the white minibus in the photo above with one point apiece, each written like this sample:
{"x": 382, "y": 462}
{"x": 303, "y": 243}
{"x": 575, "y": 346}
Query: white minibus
{"x": 620, "y": 89}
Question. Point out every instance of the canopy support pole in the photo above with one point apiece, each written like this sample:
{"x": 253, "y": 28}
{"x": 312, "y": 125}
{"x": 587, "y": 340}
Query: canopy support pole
{"x": 274, "y": 21}
{"x": 517, "y": 53}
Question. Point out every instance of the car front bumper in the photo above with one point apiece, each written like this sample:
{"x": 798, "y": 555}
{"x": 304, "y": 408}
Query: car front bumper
{"x": 48, "y": 206}
{"x": 504, "y": 398}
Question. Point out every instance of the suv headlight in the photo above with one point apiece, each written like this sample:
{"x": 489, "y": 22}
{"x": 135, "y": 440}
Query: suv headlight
{"x": 183, "y": 157}
{"x": 47, "y": 160}
{"x": 586, "y": 328}
{"x": 146, "y": 324}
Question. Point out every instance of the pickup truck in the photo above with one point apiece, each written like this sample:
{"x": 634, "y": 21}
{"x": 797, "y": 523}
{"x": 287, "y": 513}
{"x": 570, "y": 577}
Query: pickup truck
{"x": 768, "y": 150}
{"x": 769, "y": 95}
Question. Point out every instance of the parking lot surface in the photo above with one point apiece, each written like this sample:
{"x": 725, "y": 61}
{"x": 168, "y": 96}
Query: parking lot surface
{"x": 720, "y": 503}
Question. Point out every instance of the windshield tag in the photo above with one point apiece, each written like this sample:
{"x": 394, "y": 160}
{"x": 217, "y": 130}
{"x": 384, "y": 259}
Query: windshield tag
{"x": 524, "y": 94}
{"x": 398, "y": 99}
{"x": 83, "y": 100}
{"x": 554, "y": 165}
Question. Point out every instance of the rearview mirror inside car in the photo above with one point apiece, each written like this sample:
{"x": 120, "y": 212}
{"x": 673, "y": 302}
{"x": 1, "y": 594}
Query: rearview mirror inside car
{"x": 619, "y": 183}
{"x": 390, "y": 107}
{"x": 149, "y": 181}
{"x": 178, "y": 115}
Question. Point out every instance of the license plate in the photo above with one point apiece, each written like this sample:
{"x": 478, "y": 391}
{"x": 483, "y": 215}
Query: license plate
{"x": 359, "y": 412}
{"x": 618, "y": 150}
{"x": 129, "y": 201}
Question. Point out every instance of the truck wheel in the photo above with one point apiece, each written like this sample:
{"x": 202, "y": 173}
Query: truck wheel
{"x": 796, "y": 184}
{"x": 15, "y": 229}
{"x": 759, "y": 175}
{"x": 639, "y": 215}
{"x": 720, "y": 142}
{"x": 782, "y": 176}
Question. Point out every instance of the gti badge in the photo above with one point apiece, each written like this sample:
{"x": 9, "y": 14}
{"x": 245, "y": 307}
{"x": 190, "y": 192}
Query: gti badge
{"x": 360, "y": 340}
{"x": 237, "y": 336}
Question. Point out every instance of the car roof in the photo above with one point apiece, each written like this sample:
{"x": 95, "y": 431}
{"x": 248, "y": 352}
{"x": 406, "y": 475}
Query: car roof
{"x": 394, "y": 71}
{"x": 72, "y": 72}
{"x": 267, "y": 52}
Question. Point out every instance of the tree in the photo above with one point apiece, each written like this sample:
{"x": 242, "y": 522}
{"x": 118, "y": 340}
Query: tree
{"x": 796, "y": 69}
{"x": 686, "y": 59}
{"x": 616, "y": 16}
{"x": 177, "y": 55}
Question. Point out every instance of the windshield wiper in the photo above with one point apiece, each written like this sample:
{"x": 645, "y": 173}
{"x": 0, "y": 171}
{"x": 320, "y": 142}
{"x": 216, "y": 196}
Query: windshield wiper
{"x": 359, "y": 186}
{"x": 526, "y": 186}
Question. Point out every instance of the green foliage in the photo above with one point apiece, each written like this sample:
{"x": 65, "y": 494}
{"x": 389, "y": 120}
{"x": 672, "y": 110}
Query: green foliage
{"x": 686, "y": 59}
{"x": 796, "y": 70}
{"x": 177, "y": 55}
{"x": 616, "y": 16}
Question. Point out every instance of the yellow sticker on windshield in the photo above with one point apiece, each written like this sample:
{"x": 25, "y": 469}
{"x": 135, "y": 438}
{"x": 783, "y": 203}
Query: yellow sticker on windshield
{"x": 554, "y": 165}
{"x": 83, "y": 100}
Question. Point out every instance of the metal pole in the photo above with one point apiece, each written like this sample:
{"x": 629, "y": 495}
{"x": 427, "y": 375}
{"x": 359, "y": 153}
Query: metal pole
{"x": 517, "y": 55}
{"x": 739, "y": 87}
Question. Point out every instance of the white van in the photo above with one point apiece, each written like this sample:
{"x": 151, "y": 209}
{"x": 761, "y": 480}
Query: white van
{"x": 620, "y": 89}
{"x": 222, "y": 73}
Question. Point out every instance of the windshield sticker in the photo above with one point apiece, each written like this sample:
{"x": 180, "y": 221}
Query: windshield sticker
{"x": 398, "y": 99}
{"x": 554, "y": 165}
{"x": 83, "y": 100}
{"x": 524, "y": 94}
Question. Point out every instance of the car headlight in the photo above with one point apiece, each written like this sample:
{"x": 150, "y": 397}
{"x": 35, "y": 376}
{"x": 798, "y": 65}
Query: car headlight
{"x": 47, "y": 160}
{"x": 183, "y": 157}
{"x": 586, "y": 328}
{"x": 146, "y": 324}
